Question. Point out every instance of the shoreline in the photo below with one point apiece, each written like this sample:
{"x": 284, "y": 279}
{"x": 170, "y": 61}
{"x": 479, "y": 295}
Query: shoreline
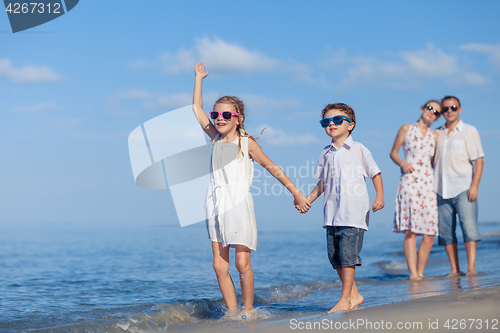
{"x": 471, "y": 311}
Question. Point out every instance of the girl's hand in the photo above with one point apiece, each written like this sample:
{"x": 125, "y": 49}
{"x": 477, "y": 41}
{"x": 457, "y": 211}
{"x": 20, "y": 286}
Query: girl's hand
{"x": 301, "y": 203}
{"x": 199, "y": 70}
{"x": 406, "y": 167}
{"x": 378, "y": 204}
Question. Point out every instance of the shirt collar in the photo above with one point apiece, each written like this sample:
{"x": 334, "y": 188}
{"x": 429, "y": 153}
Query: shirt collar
{"x": 459, "y": 126}
{"x": 347, "y": 144}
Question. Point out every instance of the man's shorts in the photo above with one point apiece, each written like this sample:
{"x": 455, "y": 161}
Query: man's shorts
{"x": 344, "y": 245}
{"x": 467, "y": 215}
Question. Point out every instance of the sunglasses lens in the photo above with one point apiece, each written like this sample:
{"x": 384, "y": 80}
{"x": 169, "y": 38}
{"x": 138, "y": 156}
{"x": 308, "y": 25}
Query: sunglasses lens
{"x": 214, "y": 114}
{"x": 452, "y": 108}
{"x": 338, "y": 120}
{"x": 226, "y": 115}
{"x": 325, "y": 122}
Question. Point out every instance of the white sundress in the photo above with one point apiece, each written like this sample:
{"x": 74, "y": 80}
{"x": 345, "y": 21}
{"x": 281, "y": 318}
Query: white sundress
{"x": 229, "y": 209}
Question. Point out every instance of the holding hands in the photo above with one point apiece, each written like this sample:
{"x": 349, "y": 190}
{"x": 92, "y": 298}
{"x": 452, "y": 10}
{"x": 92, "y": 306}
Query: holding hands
{"x": 301, "y": 203}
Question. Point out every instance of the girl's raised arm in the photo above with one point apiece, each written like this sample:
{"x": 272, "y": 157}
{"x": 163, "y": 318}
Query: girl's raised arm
{"x": 258, "y": 155}
{"x": 201, "y": 116}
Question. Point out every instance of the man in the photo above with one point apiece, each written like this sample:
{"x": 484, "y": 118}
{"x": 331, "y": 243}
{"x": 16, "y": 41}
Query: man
{"x": 458, "y": 167}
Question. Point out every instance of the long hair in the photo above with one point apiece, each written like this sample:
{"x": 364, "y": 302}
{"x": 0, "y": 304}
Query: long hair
{"x": 239, "y": 107}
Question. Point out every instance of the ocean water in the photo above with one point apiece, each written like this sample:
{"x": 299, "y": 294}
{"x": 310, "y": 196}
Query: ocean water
{"x": 160, "y": 279}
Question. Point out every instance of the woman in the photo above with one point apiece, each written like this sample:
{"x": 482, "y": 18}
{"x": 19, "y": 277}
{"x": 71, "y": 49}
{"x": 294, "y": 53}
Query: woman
{"x": 416, "y": 207}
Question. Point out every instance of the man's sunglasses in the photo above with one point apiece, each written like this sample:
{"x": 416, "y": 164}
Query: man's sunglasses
{"x": 452, "y": 108}
{"x": 431, "y": 108}
{"x": 225, "y": 114}
{"x": 337, "y": 120}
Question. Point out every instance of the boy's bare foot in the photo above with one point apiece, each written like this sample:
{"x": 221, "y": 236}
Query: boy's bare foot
{"x": 341, "y": 306}
{"x": 456, "y": 274}
{"x": 356, "y": 301}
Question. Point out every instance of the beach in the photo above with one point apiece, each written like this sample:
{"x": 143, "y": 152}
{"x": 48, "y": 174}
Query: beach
{"x": 467, "y": 311}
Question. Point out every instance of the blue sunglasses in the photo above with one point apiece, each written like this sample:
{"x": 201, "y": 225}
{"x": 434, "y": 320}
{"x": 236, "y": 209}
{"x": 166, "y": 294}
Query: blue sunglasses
{"x": 337, "y": 120}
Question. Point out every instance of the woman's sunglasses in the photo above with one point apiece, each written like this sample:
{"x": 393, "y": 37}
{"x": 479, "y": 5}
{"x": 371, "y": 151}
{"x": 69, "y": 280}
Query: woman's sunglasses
{"x": 337, "y": 120}
{"x": 452, "y": 108}
{"x": 431, "y": 108}
{"x": 225, "y": 114}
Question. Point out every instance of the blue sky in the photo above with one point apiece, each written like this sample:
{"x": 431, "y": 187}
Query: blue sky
{"x": 74, "y": 88}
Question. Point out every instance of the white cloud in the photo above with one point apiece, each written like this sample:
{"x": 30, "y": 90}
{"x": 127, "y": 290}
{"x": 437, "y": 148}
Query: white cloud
{"x": 405, "y": 70}
{"x": 133, "y": 94}
{"x": 261, "y": 104}
{"x": 138, "y": 64}
{"x": 27, "y": 74}
{"x": 168, "y": 100}
{"x": 226, "y": 57}
{"x": 180, "y": 63}
{"x": 278, "y": 137}
{"x": 149, "y": 100}
{"x": 490, "y": 50}
{"x": 35, "y": 108}
{"x": 221, "y": 57}
{"x": 256, "y": 105}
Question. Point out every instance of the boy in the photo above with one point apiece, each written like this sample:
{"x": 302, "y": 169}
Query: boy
{"x": 341, "y": 168}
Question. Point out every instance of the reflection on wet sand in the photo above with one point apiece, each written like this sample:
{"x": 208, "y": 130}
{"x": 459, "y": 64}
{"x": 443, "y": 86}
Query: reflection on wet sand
{"x": 421, "y": 288}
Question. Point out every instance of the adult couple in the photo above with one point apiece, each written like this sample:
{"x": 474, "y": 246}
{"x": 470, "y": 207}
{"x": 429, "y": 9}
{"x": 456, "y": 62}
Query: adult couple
{"x": 427, "y": 203}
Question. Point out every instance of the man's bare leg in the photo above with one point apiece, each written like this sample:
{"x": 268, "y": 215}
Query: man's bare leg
{"x": 471, "y": 249}
{"x": 452, "y": 252}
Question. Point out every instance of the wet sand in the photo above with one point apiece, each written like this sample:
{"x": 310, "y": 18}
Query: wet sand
{"x": 466, "y": 311}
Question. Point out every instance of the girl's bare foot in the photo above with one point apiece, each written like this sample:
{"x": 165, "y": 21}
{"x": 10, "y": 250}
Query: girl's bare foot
{"x": 342, "y": 305}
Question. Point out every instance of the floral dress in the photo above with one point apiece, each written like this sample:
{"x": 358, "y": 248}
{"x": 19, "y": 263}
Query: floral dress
{"x": 416, "y": 204}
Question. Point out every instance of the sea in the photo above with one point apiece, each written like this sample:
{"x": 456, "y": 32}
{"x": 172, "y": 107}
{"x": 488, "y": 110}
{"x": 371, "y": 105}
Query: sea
{"x": 160, "y": 278}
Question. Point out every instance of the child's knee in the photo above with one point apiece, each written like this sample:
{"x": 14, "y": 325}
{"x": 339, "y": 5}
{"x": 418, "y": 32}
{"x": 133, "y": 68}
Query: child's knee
{"x": 220, "y": 266}
{"x": 242, "y": 264}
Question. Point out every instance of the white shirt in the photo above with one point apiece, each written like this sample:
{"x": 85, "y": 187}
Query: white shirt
{"x": 343, "y": 172}
{"x": 455, "y": 152}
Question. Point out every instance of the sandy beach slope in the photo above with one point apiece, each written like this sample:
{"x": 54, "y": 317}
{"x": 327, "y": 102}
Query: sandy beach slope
{"x": 464, "y": 311}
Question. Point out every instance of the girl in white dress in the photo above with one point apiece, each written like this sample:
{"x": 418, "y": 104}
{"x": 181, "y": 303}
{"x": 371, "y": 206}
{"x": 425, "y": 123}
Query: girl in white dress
{"x": 229, "y": 205}
{"x": 416, "y": 205}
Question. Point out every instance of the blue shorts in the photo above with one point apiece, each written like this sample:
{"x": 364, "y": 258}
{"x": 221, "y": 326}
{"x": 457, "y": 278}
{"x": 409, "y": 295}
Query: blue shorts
{"x": 344, "y": 245}
{"x": 467, "y": 215}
